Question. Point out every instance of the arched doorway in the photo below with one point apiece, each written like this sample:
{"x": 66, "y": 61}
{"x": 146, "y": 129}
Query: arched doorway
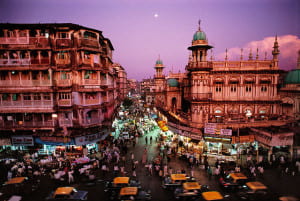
{"x": 174, "y": 104}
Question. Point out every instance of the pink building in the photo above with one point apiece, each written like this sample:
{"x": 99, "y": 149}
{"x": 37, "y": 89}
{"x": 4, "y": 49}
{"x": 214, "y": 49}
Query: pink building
{"x": 57, "y": 82}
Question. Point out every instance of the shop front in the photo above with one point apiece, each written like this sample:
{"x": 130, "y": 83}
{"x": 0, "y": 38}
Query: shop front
{"x": 278, "y": 141}
{"x": 186, "y": 139}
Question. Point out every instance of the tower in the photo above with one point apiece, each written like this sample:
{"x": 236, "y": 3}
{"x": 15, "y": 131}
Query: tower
{"x": 275, "y": 52}
{"x": 159, "y": 69}
{"x": 199, "y": 48}
{"x": 159, "y": 80}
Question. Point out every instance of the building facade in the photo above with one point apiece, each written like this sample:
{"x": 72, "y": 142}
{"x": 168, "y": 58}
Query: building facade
{"x": 57, "y": 81}
{"x": 213, "y": 100}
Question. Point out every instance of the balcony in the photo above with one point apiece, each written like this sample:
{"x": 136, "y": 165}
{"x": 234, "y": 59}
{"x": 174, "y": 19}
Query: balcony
{"x": 63, "y": 43}
{"x": 203, "y": 65}
{"x": 88, "y": 122}
{"x": 64, "y": 102}
{"x": 198, "y": 96}
{"x": 14, "y": 62}
{"x": 63, "y": 61}
{"x": 65, "y": 122}
{"x": 91, "y": 101}
{"x": 14, "y": 40}
{"x": 26, "y": 124}
{"x": 26, "y": 103}
{"x": 91, "y": 43}
{"x": 64, "y": 83}
{"x": 91, "y": 82}
{"x": 20, "y": 83}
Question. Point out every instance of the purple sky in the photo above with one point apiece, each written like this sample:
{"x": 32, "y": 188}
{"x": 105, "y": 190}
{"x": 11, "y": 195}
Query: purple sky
{"x": 139, "y": 37}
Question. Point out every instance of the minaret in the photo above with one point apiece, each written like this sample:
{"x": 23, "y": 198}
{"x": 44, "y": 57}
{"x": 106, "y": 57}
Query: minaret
{"x": 250, "y": 55}
{"x": 159, "y": 68}
{"x": 199, "y": 50}
{"x": 298, "y": 62}
{"x": 275, "y": 52}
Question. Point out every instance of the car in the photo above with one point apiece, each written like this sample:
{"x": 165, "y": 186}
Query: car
{"x": 255, "y": 190}
{"x": 212, "y": 196}
{"x": 67, "y": 194}
{"x": 233, "y": 181}
{"x": 189, "y": 190}
{"x": 119, "y": 182}
{"x": 14, "y": 186}
{"x": 173, "y": 181}
{"x": 133, "y": 193}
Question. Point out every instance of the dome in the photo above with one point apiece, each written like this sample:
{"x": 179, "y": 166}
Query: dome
{"x": 293, "y": 77}
{"x": 199, "y": 35}
{"x": 173, "y": 82}
{"x": 159, "y": 62}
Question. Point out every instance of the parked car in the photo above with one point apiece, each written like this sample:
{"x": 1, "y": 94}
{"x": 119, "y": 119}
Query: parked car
{"x": 67, "y": 194}
{"x": 133, "y": 193}
{"x": 189, "y": 190}
{"x": 14, "y": 186}
{"x": 118, "y": 183}
{"x": 174, "y": 181}
{"x": 212, "y": 196}
{"x": 233, "y": 181}
{"x": 255, "y": 191}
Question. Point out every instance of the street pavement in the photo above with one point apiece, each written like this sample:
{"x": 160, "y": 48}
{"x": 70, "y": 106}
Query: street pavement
{"x": 281, "y": 185}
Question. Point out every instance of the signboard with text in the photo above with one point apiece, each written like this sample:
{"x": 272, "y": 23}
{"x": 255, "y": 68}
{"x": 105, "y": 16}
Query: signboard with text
{"x": 22, "y": 140}
{"x": 89, "y": 139}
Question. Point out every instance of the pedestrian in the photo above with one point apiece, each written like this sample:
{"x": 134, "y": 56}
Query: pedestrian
{"x": 132, "y": 156}
{"x": 192, "y": 172}
{"x": 209, "y": 172}
{"x": 150, "y": 139}
{"x": 146, "y": 140}
{"x": 70, "y": 176}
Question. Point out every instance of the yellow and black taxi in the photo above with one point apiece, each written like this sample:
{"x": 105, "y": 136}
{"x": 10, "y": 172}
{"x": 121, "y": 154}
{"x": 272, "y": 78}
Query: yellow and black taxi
{"x": 174, "y": 180}
{"x": 189, "y": 190}
{"x": 212, "y": 196}
{"x": 67, "y": 194}
{"x": 233, "y": 181}
{"x": 119, "y": 182}
{"x": 255, "y": 190}
{"x": 14, "y": 186}
{"x": 133, "y": 193}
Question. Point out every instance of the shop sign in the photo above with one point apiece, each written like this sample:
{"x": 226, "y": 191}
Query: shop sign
{"x": 56, "y": 139}
{"x": 22, "y": 140}
{"x": 89, "y": 139}
{"x": 282, "y": 139}
{"x": 5, "y": 141}
{"x": 210, "y": 128}
{"x": 196, "y": 137}
{"x": 242, "y": 139}
{"x": 226, "y": 132}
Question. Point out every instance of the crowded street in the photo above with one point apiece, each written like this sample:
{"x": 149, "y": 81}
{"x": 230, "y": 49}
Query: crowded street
{"x": 138, "y": 149}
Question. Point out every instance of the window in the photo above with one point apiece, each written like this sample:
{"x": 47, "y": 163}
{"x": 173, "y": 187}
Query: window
{"x": 233, "y": 89}
{"x": 88, "y": 34}
{"x": 47, "y": 96}
{"x": 15, "y": 97}
{"x": 90, "y": 74}
{"x": 218, "y": 89}
{"x": 263, "y": 89}
{"x": 91, "y": 95}
{"x": 11, "y": 34}
{"x": 62, "y": 55}
{"x": 35, "y": 75}
{"x": 5, "y": 97}
{"x": 64, "y": 75}
{"x": 65, "y": 96}
{"x": 36, "y": 96}
{"x": 26, "y": 97}
{"x": 248, "y": 89}
{"x": 23, "y": 33}
{"x": 63, "y": 35}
